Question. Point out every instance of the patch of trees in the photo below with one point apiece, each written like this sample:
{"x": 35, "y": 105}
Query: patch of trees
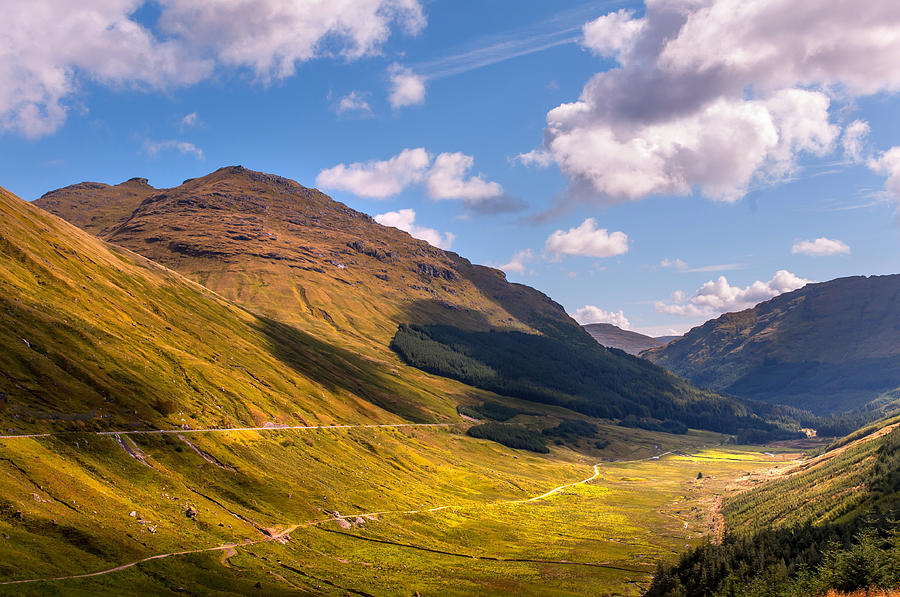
{"x": 808, "y": 560}
{"x": 511, "y": 436}
{"x": 665, "y": 426}
{"x": 490, "y": 410}
{"x": 584, "y": 377}
{"x": 572, "y": 428}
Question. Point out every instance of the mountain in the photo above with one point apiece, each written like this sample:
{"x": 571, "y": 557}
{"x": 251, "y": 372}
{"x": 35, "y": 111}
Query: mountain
{"x": 827, "y": 347}
{"x": 293, "y": 255}
{"x": 631, "y": 342}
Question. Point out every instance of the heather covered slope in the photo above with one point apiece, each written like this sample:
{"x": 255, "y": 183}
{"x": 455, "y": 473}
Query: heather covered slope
{"x": 631, "y": 342}
{"x": 291, "y": 254}
{"x": 827, "y": 347}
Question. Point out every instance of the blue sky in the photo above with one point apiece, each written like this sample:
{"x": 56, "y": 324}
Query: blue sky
{"x": 691, "y": 144}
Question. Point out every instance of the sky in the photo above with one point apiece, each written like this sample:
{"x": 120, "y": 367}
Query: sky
{"x": 648, "y": 164}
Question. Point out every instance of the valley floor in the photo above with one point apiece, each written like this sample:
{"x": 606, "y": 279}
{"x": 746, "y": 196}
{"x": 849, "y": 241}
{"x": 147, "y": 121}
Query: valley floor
{"x": 368, "y": 510}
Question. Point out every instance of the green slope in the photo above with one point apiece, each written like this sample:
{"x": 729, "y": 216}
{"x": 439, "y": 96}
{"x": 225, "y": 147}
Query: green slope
{"x": 829, "y": 523}
{"x": 96, "y": 336}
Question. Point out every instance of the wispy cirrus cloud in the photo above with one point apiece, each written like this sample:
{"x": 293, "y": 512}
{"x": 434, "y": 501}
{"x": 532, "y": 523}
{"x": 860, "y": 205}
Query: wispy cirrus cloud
{"x": 560, "y": 29}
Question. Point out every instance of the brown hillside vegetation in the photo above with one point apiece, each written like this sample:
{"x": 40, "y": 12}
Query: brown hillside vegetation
{"x": 293, "y": 253}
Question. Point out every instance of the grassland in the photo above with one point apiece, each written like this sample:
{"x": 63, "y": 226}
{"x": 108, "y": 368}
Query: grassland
{"x": 68, "y": 499}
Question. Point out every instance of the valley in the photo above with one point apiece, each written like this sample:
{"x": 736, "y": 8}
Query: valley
{"x": 234, "y": 395}
{"x": 372, "y": 510}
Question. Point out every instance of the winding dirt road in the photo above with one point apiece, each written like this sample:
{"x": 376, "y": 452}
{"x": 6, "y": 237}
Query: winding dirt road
{"x": 222, "y": 430}
{"x": 228, "y": 548}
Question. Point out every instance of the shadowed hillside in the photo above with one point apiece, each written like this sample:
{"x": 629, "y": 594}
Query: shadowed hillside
{"x": 827, "y": 347}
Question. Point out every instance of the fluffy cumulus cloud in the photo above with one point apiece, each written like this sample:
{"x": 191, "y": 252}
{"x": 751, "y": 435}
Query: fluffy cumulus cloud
{"x": 377, "y": 179}
{"x": 820, "y": 247}
{"x": 407, "y": 88}
{"x": 516, "y": 265}
{"x": 612, "y": 34}
{"x": 587, "y": 240}
{"x": 405, "y": 219}
{"x": 592, "y": 314}
{"x": 444, "y": 176}
{"x": 718, "y": 296}
{"x": 449, "y": 179}
{"x": 50, "y": 46}
{"x": 712, "y": 96}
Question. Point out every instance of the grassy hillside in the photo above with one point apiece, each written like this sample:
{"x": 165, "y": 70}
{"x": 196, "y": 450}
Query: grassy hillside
{"x": 291, "y": 254}
{"x": 829, "y": 347}
{"x": 96, "y": 336}
{"x": 827, "y": 523}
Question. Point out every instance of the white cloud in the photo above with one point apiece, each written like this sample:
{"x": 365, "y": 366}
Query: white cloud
{"x": 587, "y": 240}
{"x": 718, "y": 296}
{"x": 377, "y": 179}
{"x": 535, "y": 157}
{"x": 272, "y": 37}
{"x": 717, "y": 267}
{"x": 612, "y": 34}
{"x": 674, "y": 263}
{"x": 445, "y": 176}
{"x": 353, "y": 103}
{"x": 696, "y": 75}
{"x": 405, "y": 219}
{"x": 888, "y": 163}
{"x": 447, "y": 179}
{"x": 820, "y": 247}
{"x": 407, "y": 88}
{"x": 190, "y": 120}
{"x": 153, "y": 148}
{"x": 592, "y": 314}
{"x": 50, "y": 47}
{"x": 517, "y": 263}
{"x": 853, "y": 140}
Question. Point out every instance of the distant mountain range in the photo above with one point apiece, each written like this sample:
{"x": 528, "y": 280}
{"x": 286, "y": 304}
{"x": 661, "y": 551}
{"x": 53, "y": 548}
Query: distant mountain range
{"x": 827, "y": 347}
{"x": 634, "y": 343}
